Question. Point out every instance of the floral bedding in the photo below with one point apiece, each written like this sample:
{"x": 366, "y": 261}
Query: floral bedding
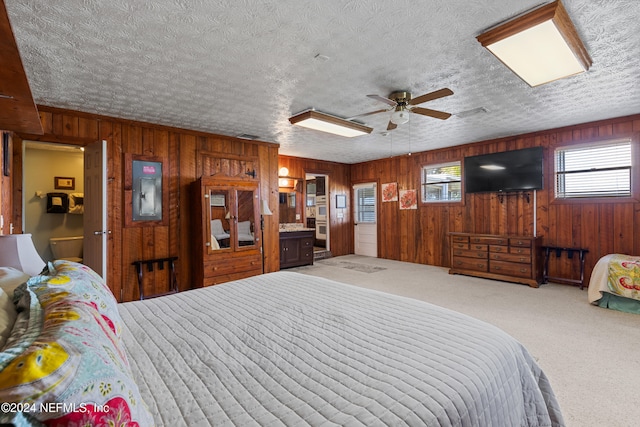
{"x": 624, "y": 276}
{"x": 64, "y": 362}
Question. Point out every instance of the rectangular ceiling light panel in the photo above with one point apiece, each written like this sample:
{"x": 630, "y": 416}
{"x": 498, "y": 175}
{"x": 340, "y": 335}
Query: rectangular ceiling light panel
{"x": 327, "y": 123}
{"x": 540, "y": 46}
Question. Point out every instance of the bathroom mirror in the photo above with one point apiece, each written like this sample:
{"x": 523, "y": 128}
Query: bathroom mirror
{"x": 290, "y": 207}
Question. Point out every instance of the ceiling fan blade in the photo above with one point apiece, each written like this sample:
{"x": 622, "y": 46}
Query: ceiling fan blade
{"x": 369, "y": 113}
{"x": 431, "y": 96}
{"x": 383, "y": 99}
{"x": 391, "y": 126}
{"x": 431, "y": 113}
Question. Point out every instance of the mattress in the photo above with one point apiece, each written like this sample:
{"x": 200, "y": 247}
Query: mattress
{"x": 286, "y": 349}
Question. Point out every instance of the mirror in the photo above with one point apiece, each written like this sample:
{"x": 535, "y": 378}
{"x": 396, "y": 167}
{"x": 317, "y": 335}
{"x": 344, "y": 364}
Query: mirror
{"x": 219, "y": 216}
{"x": 290, "y": 207}
{"x": 245, "y": 224}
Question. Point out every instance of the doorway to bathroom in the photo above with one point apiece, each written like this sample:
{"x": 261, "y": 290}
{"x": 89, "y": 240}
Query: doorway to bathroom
{"x": 53, "y": 197}
{"x": 64, "y": 196}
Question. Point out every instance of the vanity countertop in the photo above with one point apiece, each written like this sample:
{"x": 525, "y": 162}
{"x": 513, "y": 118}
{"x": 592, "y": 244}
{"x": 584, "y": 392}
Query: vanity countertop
{"x": 287, "y": 228}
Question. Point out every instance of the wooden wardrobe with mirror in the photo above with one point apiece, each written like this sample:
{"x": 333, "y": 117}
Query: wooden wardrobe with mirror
{"x": 227, "y": 230}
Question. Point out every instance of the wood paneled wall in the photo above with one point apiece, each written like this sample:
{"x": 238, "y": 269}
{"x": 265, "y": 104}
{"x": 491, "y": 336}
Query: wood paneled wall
{"x": 340, "y": 229}
{"x": 420, "y": 235}
{"x": 180, "y": 150}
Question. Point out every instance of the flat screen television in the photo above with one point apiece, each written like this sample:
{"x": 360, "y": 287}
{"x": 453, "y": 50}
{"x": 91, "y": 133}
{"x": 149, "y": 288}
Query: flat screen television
{"x": 517, "y": 170}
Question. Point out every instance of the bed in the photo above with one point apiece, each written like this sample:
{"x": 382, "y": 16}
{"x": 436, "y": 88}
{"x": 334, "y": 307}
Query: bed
{"x": 615, "y": 283}
{"x": 286, "y": 349}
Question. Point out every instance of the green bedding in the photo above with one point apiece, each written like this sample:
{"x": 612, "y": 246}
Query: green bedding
{"x": 619, "y": 303}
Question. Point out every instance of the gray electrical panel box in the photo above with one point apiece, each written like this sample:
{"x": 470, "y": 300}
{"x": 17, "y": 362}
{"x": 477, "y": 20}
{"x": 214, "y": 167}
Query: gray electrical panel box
{"x": 147, "y": 191}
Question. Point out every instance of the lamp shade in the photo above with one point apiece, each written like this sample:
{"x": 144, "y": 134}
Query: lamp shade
{"x": 17, "y": 251}
{"x": 264, "y": 208}
{"x": 400, "y": 117}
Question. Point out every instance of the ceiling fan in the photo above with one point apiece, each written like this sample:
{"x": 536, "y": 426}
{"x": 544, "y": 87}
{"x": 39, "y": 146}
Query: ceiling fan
{"x": 403, "y": 103}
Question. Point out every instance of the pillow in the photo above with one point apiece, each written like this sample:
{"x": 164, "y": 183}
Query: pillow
{"x": 68, "y": 357}
{"x": 72, "y": 281}
{"x": 7, "y": 317}
{"x": 11, "y": 278}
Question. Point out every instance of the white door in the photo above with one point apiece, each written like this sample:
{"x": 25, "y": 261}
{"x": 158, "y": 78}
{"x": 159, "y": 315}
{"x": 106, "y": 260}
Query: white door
{"x": 95, "y": 202}
{"x": 365, "y": 227}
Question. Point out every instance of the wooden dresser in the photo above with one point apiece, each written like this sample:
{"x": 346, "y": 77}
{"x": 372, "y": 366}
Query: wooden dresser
{"x": 509, "y": 258}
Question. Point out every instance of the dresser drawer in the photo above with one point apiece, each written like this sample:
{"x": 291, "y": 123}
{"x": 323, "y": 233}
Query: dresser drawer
{"x": 489, "y": 240}
{"x": 478, "y": 247}
{"x": 510, "y": 268}
{"x": 498, "y": 248}
{"x": 460, "y": 239}
{"x": 470, "y": 253}
{"x": 474, "y": 264}
{"x": 522, "y": 259}
{"x": 520, "y": 251}
{"x": 522, "y": 243}
{"x": 233, "y": 266}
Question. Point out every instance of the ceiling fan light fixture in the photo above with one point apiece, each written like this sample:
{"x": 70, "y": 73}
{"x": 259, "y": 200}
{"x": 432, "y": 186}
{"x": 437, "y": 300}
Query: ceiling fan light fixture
{"x": 400, "y": 117}
{"x": 316, "y": 120}
{"x": 539, "y": 46}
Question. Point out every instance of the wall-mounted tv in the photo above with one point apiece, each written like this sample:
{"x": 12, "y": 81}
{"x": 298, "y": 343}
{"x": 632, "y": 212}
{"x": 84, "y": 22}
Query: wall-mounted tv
{"x": 517, "y": 170}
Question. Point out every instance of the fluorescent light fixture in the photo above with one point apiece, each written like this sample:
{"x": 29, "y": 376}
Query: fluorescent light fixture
{"x": 540, "y": 46}
{"x": 326, "y": 123}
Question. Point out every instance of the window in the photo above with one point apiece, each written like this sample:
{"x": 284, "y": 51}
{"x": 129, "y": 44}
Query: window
{"x": 594, "y": 170}
{"x": 365, "y": 203}
{"x": 441, "y": 183}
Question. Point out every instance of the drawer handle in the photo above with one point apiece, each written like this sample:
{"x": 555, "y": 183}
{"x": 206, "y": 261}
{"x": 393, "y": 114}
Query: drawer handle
{"x": 478, "y": 247}
{"x": 458, "y": 262}
{"x": 481, "y": 254}
{"x": 500, "y": 241}
{"x": 498, "y": 249}
{"x": 497, "y": 268}
{"x": 523, "y": 270}
{"x": 523, "y": 259}
{"x": 519, "y": 251}
{"x": 481, "y": 265}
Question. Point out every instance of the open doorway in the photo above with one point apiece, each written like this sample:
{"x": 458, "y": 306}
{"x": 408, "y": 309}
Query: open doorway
{"x": 58, "y": 182}
{"x": 317, "y": 212}
{"x": 53, "y": 198}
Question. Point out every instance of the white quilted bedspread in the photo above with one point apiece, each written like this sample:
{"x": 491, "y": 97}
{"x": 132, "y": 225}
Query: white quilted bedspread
{"x": 286, "y": 349}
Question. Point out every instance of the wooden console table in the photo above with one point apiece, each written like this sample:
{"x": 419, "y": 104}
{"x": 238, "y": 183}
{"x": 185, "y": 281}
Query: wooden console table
{"x": 570, "y": 251}
{"x": 508, "y": 258}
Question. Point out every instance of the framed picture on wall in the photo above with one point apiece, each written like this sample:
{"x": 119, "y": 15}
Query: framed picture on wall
{"x": 341, "y": 201}
{"x": 64, "y": 183}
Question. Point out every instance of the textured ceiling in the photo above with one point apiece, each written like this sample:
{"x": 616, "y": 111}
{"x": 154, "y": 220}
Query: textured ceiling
{"x": 244, "y": 67}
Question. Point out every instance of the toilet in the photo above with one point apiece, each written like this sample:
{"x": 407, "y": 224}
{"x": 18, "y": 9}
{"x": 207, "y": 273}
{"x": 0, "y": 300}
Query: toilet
{"x": 69, "y": 248}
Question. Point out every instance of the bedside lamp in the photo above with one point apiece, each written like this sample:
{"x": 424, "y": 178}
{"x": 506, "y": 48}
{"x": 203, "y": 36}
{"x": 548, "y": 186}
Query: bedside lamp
{"x": 17, "y": 251}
